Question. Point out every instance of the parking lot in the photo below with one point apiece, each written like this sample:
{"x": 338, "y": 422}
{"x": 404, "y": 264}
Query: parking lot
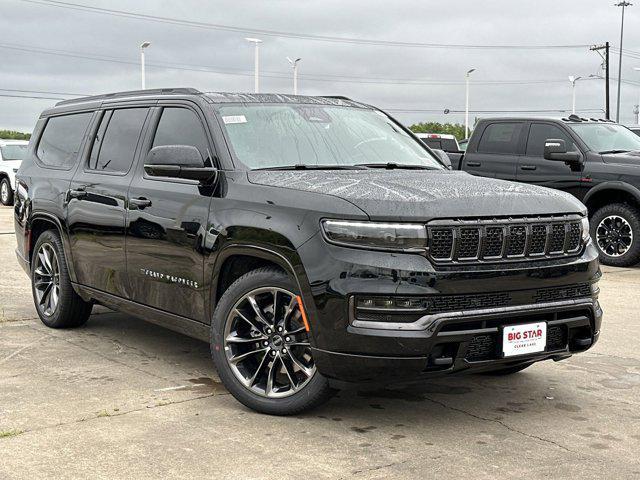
{"x": 121, "y": 398}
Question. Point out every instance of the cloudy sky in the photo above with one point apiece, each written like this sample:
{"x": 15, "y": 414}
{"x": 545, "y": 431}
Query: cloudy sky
{"x": 60, "y": 48}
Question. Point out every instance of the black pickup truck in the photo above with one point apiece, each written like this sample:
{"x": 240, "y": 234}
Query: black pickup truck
{"x": 597, "y": 161}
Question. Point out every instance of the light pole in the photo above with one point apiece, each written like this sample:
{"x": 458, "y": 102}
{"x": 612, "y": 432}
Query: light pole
{"x": 622, "y": 4}
{"x": 573, "y": 81}
{"x": 466, "y": 108}
{"x": 637, "y": 69}
{"x": 143, "y": 46}
{"x": 294, "y": 64}
{"x": 256, "y": 66}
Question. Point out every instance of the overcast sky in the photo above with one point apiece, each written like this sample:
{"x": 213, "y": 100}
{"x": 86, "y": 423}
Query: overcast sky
{"x": 29, "y": 28}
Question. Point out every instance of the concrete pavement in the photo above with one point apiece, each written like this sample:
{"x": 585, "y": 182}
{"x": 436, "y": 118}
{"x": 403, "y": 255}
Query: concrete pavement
{"x": 121, "y": 398}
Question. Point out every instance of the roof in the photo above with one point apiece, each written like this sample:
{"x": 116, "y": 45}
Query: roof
{"x": 569, "y": 119}
{"x": 215, "y": 97}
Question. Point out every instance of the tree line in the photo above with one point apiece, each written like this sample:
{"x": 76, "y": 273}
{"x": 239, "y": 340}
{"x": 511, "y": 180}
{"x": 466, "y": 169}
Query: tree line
{"x": 13, "y": 135}
{"x": 456, "y": 129}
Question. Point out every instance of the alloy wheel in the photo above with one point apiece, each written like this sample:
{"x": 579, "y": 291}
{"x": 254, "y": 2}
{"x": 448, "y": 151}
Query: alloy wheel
{"x": 266, "y": 343}
{"x": 46, "y": 279}
{"x": 614, "y": 236}
{"x": 4, "y": 192}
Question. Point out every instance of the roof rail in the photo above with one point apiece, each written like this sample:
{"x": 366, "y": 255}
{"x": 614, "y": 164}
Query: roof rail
{"x": 338, "y": 97}
{"x": 575, "y": 118}
{"x": 132, "y": 93}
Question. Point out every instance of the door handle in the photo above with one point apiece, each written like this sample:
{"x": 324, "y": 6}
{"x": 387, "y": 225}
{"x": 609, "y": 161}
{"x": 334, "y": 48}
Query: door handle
{"x": 528, "y": 167}
{"x": 473, "y": 164}
{"x": 139, "y": 203}
{"x": 78, "y": 193}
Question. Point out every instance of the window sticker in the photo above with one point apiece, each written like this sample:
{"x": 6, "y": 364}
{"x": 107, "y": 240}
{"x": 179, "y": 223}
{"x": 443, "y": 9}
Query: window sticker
{"x": 234, "y": 119}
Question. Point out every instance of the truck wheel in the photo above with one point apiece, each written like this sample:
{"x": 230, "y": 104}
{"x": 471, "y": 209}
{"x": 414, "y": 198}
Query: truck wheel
{"x": 57, "y": 304}
{"x": 615, "y": 229}
{"x": 6, "y": 193}
{"x": 261, "y": 348}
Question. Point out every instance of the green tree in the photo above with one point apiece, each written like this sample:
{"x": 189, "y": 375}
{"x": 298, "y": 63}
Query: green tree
{"x": 13, "y": 135}
{"x": 455, "y": 129}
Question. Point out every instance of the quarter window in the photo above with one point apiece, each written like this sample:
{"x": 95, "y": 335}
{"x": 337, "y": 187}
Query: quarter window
{"x": 114, "y": 146}
{"x": 500, "y": 138}
{"x": 180, "y": 126}
{"x": 539, "y": 133}
{"x": 61, "y": 139}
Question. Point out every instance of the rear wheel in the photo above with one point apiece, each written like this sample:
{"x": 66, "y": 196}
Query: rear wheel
{"x": 615, "y": 229}
{"x": 6, "y": 193}
{"x": 261, "y": 348}
{"x": 57, "y": 304}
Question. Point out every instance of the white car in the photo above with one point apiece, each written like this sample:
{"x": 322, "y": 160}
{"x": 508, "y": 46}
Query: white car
{"x": 11, "y": 154}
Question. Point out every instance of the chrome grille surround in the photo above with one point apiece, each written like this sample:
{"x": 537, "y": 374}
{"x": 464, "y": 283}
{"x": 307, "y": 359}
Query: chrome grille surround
{"x": 495, "y": 240}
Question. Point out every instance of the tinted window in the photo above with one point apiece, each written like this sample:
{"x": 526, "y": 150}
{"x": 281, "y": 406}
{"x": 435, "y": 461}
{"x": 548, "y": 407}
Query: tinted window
{"x": 179, "y": 126}
{"x": 61, "y": 139}
{"x": 115, "y": 144}
{"x": 432, "y": 142}
{"x": 500, "y": 138}
{"x": 540, "y": 133}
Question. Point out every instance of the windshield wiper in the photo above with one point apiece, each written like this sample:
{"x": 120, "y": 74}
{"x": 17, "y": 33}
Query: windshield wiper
{"x": 302, "y": 166}
{"x": 614, "y": 151}
{"x": 393, "y": 166}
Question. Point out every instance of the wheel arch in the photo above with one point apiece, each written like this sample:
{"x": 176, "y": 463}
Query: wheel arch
{"x": 39, "y": 223}
{"x": 611, "y": 192}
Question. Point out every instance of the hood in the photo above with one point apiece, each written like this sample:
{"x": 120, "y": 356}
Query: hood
{"x": 627, "y": 158}
{"x": 420, "y": 195}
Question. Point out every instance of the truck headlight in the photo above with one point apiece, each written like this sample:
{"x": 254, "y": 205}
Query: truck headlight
{"x": 384, "y": 236}
{"x": 585, "y": 229}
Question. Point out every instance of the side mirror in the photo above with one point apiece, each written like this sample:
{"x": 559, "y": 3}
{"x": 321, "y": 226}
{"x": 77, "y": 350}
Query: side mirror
{"x": 556, "y": 149}
{"x": 442, "y": 155}
{"x": 178, "y": 161}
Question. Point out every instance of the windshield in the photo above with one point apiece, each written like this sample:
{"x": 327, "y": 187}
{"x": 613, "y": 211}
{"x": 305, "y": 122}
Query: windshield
{"x": 603, "y": 137}
{"x": 271, "y": 136}
{"x": 13, "y": 152}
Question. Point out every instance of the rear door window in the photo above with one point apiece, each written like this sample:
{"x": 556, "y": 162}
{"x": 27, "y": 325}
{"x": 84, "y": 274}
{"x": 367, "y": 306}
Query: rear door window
{"x": 61, "y": 140}
{"x": 115, "y": 144}
{"x": 501, "y": 138}
{"x": 539, "y": 133}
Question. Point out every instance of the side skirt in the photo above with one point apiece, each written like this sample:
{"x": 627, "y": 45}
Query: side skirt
{"x": 177, "y": 323}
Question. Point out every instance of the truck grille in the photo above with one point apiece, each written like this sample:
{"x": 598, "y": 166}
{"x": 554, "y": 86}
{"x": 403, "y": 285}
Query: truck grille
{"x": 504, "y": 239}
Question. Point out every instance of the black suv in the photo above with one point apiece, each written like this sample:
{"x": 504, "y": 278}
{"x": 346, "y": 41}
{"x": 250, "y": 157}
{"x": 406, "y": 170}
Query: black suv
{"x": 598, "y": 161}
{"x": 313, "y": 241}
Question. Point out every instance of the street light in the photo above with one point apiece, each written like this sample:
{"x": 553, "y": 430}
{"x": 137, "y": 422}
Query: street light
{"x": 294, "y": 64}
{"x": 466, "y": 109}
{"x": 637, "y": 109}
{"x": 622, "y": 4}
{"x": 256, "y": 67}
{"x": 143, "y": 46}
{"x": 573, "y": 81}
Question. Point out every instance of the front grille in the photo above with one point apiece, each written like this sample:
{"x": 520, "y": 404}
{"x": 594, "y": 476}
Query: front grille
{"x": 556, "y": 337}
{"x": 495, "y": 240}
{"x": 454, "y": 303}
{"x": 481, "y": 347}
{"x": 562, "y": 293}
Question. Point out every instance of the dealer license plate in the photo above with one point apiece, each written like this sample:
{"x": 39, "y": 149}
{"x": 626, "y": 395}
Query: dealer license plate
{"x": 523, "y": 339}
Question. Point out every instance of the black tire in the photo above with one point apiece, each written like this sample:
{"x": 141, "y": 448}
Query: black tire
{"x": 7, "y": 197}
{"x": 71, "y": 311}
{"x": 312, "y": 394}
{"x": 632, "y": 217}
{"x": 507, "y": 371}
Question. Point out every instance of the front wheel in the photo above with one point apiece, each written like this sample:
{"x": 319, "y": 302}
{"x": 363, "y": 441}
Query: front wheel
{"x": 615, "y": 229}
{"x": 260, "y": 346}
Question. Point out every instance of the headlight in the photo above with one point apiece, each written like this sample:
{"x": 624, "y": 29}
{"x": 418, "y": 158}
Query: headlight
{"x": 386, "y": 236}
{"x": 585, "y": 229}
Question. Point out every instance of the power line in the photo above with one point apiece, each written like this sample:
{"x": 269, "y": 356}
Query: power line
{"x": 302, "y": 36}
{"x": 272, "y": 74}
{"x": 46, "y": 93}
{"x": 30, "y": 97}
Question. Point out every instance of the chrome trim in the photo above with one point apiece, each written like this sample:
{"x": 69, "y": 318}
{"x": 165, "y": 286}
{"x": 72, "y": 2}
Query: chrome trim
{"x": 428, "y": 322}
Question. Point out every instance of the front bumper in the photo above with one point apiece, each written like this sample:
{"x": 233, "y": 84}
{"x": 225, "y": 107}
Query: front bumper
{"x": 348, "y": 350}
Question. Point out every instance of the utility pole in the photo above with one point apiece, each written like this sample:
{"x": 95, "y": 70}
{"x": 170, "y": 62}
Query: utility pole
{"x": 143, "y": 46}
{"x": 466, "y": 107}
{"x": 622, "y": 4}
{"x": 256, "y": 63}
{"x": 605, "y": 57}
{"x": 294, "y": 64}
